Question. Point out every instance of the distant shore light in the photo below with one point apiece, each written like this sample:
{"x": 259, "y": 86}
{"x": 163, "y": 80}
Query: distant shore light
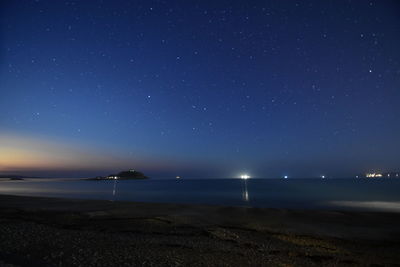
{"x": 323, "y": 176}
{"x": 285, "y": 177}
{"x": 244, "y": 176}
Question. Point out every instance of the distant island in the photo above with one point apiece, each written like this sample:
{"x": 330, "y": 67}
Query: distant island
{"x": 124, "y": 175}
{"x": 12, "y": 176}
{"x": 15, "y": 177}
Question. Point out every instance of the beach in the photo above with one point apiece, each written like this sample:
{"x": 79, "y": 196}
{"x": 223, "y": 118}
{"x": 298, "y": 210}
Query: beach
{"x": 37, "y": 231}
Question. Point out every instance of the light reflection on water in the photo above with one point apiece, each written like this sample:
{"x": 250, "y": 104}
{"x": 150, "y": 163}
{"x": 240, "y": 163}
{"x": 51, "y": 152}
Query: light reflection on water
{"x": 245, "y": 192}
{"x": 114, "y": 189}
{"x": 354, "y": 194}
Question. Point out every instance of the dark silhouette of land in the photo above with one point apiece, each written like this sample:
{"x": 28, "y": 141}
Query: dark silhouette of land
{"x": 15, "y": 177}
{"x": 131, "y": 174}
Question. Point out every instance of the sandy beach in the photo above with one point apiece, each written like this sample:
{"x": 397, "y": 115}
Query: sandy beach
{"x": 63, "y": 232}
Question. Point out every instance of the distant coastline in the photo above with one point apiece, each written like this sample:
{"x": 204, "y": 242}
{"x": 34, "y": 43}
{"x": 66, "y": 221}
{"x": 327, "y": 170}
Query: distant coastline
{"x": 15, "y": 177}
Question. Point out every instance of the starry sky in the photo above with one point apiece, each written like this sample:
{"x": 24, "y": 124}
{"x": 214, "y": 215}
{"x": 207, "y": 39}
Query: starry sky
{"x": 199, "y": 88}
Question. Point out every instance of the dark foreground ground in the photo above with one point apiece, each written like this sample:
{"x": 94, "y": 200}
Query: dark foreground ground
{"x": 61, "y": 232}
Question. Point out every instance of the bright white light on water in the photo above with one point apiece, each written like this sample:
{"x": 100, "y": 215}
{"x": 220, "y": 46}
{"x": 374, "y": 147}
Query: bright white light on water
{"x": 323, "y": 176}
{"x": 285, "y": 177}
{"x": 244, "y": 176}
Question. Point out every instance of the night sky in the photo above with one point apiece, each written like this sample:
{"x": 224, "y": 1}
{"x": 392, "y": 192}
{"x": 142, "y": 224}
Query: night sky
{"x": 199, "y": 88}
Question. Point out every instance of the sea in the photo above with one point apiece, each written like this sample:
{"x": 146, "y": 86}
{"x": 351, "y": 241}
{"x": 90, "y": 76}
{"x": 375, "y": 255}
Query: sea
{"x": 382, "y": 195}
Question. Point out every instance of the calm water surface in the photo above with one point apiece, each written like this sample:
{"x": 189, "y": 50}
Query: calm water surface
{"x": 354, "y": 194}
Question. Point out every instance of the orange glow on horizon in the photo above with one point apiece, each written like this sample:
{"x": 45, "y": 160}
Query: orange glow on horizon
{"x": 27, "y": 153}
{"x": 19, "y": 153}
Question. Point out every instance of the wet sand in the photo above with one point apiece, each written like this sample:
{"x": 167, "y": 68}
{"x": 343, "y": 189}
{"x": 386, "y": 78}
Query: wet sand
{"x": 64, "y": 232}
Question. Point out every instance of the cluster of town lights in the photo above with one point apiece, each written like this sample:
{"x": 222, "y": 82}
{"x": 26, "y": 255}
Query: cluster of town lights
{"x": 379, "y": 175}
{"x": 373, "y": 175}
{"x": 368, "y": 175}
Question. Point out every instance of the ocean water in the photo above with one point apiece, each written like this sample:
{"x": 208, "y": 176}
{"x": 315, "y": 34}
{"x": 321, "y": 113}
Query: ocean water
{"x": 332, "y": 194}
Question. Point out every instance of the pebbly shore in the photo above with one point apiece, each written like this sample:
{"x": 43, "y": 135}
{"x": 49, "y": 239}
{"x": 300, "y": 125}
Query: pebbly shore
{"x": 65, "y": 232}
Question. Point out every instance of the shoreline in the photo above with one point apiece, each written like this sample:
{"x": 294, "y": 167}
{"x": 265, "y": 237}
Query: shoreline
{"x": 181, "y": 234}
